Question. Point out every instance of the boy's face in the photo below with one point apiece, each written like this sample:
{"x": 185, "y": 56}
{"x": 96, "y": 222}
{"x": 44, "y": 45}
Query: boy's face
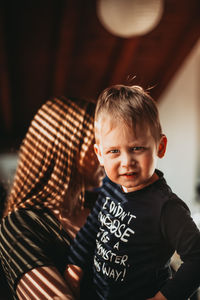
{"x": 128, "y": 155}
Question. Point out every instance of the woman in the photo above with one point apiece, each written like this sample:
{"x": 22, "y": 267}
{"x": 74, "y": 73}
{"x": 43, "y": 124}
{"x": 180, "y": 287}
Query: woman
{"x": 47, "y": 206}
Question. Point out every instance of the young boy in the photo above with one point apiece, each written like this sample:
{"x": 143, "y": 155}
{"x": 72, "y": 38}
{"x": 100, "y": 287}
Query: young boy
{"x": 137, "y": 222}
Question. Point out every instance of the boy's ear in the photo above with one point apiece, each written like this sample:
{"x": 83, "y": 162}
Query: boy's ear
{"x": 98, "y": 153}
{"x": 162, "y": 146}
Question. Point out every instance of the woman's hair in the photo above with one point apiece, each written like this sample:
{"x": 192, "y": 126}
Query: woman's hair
{"x": 130, "y": 104}
{"x": 47, "y": 168}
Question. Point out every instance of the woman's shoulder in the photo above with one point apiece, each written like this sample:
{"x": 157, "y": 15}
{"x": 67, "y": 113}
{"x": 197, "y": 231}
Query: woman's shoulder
{"x": 30, "y": 218}
{"x": 37, "y": 225}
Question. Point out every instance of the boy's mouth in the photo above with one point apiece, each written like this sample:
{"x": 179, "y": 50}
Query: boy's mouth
{"x": 129, "y": 174}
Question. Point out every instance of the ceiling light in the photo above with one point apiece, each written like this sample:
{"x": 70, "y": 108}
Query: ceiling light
{"x": 127, "y": 18}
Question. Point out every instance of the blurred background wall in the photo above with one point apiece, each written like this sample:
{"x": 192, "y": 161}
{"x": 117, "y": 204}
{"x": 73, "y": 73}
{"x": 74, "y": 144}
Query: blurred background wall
{"x": 179, "y": 110}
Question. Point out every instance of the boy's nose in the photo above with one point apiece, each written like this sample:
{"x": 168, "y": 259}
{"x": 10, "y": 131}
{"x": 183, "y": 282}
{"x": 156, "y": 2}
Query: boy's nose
{"x": 126, "y": 160}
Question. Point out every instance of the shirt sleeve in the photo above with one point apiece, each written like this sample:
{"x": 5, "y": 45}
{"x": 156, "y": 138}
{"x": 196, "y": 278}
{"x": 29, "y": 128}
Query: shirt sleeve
{"x": 183, "y": 235}
{"x": 83, "y": 246}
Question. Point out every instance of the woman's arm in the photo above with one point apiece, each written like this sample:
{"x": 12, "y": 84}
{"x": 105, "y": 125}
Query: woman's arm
{"x": 44, "y": 283}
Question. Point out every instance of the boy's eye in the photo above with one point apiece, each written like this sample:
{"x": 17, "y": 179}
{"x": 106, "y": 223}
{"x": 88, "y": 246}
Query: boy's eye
{"x": 114, "y": 151}
{"x": 136, "y": 149}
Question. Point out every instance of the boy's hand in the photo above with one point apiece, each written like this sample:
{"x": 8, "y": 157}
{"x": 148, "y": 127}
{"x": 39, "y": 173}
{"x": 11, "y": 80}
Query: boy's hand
{"x": 73, "y": 275}
{"x": 158, "y": 296}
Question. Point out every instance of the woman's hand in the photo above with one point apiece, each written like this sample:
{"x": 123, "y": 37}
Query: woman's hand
{"x": 73, "y": 275}
{"x": 158, "y": 296}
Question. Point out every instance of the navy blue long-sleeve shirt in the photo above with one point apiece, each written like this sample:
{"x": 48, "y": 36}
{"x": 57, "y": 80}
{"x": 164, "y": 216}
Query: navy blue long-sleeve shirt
{"x": 130, "y": 237}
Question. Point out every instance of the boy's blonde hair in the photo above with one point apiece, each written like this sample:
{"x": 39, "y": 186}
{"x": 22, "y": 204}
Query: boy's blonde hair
{"x": 130, "y": 104}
